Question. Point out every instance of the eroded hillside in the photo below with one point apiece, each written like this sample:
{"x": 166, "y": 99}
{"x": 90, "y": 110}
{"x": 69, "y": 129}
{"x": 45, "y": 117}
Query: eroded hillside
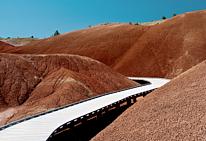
{"x": 30, "y": 84}
{"x": 166, "y": 49}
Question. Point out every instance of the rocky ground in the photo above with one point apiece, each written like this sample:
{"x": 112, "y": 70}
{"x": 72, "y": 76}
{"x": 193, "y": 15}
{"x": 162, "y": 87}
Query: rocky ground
{"x": 174, "y": 112}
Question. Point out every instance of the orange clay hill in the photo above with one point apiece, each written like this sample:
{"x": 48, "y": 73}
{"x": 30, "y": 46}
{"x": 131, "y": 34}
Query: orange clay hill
{"x": 31, "y": 84}
{"x": 105, "y": 43}
{"x": 5, "y": 47}
{"x": 164, "y": 50}
{"x": 174, "y": 112}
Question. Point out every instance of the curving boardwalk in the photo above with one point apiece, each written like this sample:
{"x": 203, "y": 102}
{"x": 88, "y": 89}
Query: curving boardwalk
{"x": 39, "y": 128}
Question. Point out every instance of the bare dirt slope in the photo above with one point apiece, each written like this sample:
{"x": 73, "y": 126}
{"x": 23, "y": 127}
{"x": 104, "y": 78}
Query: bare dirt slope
{"x": 105, "y": 43}
{"x": 167, "y": 49}
{"x": 19, "y": 41}
{"x": 164, "y": 50}
{"x": 5, "y": 47}
{"x": 30, "y": 84}
{"x": 177, "y": 111}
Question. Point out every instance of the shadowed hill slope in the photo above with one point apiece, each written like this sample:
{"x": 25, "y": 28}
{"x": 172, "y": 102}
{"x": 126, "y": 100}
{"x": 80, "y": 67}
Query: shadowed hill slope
{"x": 5, "y": 47}
{"x": 31, "y": 84}
{"x": 177, "y": 111}
{"x": 163, "y": 50}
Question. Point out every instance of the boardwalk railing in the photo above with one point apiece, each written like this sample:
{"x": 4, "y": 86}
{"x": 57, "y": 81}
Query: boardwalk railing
{"x": 40, "y": 127}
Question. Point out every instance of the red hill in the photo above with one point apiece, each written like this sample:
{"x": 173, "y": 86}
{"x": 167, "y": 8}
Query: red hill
{"x": 174, "y": 112}
{"x": 5, "y": 47}
{"x": 164, "y": 50}
{"x": 30, "y": 84}
{"x": 105, "y": 43}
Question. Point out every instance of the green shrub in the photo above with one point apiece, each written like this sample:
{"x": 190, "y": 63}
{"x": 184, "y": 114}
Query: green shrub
{"x": 136, "y": 23}
{"x": 164, "y": 18}
{"x": 56, "y": 33}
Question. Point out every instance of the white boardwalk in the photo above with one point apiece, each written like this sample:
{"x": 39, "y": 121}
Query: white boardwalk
{"x": 40, "y": 128}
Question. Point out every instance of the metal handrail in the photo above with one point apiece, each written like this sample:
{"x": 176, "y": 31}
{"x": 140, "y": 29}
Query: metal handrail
{"x": 65, "y": 106}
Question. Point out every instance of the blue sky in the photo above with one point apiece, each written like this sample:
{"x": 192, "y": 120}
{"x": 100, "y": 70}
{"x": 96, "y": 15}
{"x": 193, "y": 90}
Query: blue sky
{"x": 40, "y": 18}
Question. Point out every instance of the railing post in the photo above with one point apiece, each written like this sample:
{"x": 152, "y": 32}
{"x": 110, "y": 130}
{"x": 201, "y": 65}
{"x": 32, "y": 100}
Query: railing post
{"x": 117, "y": 105}
{"x": 99, "y": 115}
{"x": 129, "y": 101}
{"x": 134, "y": 99}
{"x": 145, "y": 93}
{"x": 84, "y": 120}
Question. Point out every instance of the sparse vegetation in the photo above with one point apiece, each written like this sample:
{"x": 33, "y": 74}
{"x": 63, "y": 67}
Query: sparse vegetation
{"x": 32, "y": 37}
{"x": 106, "y": 23}
{"x": 19, "y": 41}
{"x": 164, "y": 18}
{"x": 174, "y": 14}
{"x": 56, "y": 33}
{"x": 136, "y": 23}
